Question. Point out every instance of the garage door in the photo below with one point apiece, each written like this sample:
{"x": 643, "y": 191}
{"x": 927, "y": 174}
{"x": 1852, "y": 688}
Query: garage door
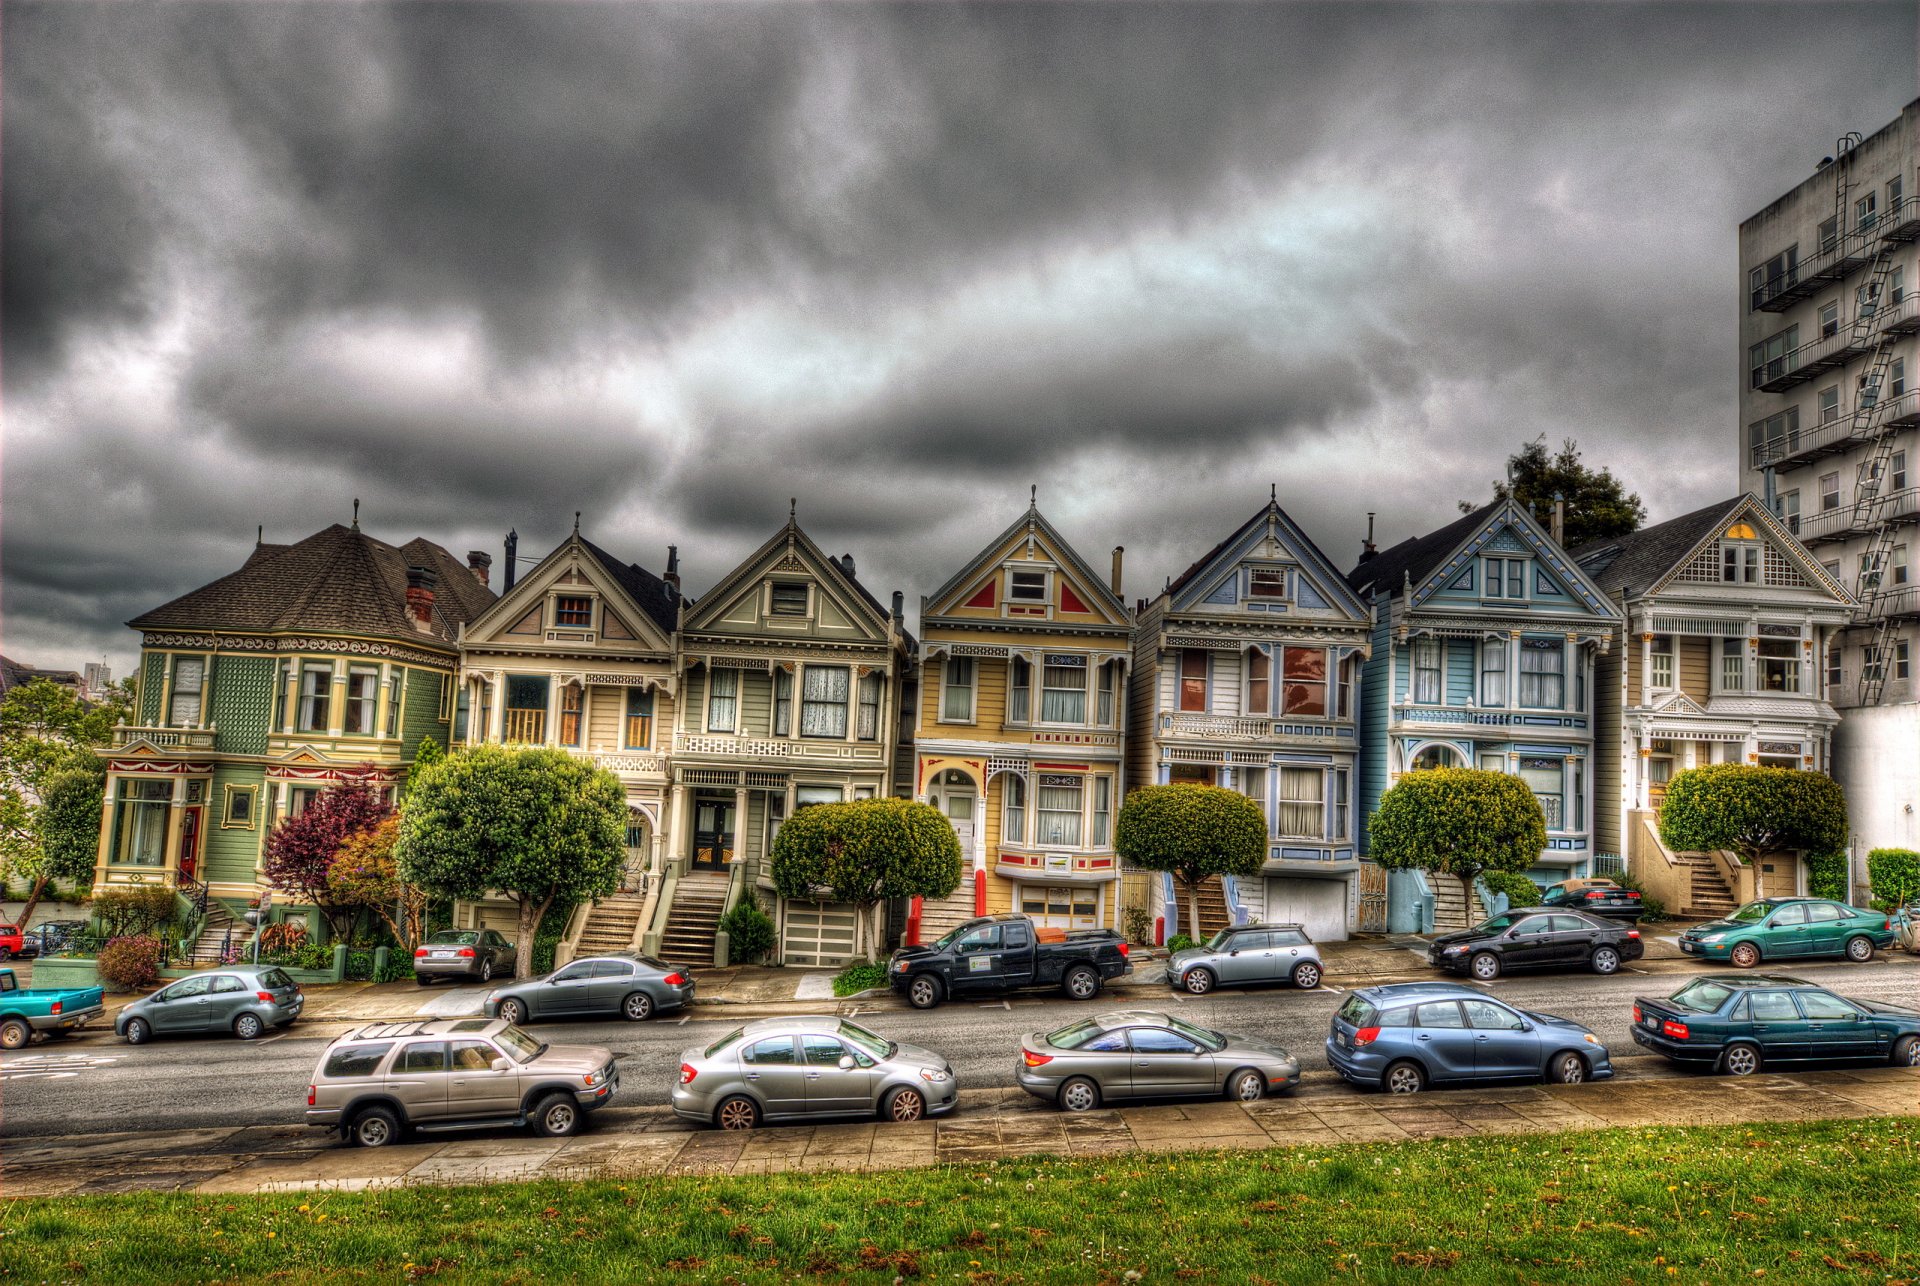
{"x": 819, "y": 933}
{"x": 1320, "y": 905}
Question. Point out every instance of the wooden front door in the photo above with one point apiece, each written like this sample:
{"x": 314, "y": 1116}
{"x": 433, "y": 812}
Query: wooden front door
{"x": 713, "y": 834}
{"x": 1373, "y": 898}
{"x": 189, "y": 863}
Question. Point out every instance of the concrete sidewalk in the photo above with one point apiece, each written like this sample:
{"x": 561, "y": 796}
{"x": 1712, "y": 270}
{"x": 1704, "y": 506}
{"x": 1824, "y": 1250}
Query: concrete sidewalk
{"x": 991, "y": 1125}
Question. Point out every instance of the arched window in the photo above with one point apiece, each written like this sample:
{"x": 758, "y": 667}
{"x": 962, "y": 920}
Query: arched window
{"x": 1013, "y": 809}
{"x": 1436, "y": 757}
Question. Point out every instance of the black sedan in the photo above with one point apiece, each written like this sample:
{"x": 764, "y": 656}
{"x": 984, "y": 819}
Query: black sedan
{"x": 1595, "y": 897}
{"x": 1740, "y": 1022}
{"x": 1536, "y": 939}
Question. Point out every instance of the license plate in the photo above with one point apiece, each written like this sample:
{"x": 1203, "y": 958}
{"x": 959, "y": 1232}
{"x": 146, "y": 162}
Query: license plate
{"x": 1688, "y": 947}
{"x": 1649, "y": 1022}
{"x": 443, "y": 955}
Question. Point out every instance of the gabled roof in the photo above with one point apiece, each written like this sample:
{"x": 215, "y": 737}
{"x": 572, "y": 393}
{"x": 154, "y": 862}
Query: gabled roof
{"x": 1034, "y": 520}
{"x": 1644, "y": 560}
{"x": 717, "y": 599}
{"x": 1295, "y": 540}
{"x": 1416, "y": 557}
{"x": 339, "y": 580}
{"x": 1426, "y": 562}
{"x": 653, "y": 595}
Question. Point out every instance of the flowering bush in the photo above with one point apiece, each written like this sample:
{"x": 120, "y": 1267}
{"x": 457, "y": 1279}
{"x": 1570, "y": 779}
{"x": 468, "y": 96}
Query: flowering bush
{"x": 130, "y": 964}
{"x": 288, "y": 935}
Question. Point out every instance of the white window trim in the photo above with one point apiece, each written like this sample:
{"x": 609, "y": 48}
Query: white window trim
{"x": 1247, "y": 708}
{"x": 772, "y": 615}
{"x": 1487, "y": 583}
{"x": 972, "y": 686}
{"x": 553, "y": 609}
{"x": 1007, "y": 598}
{"x": 1280, "y": 804}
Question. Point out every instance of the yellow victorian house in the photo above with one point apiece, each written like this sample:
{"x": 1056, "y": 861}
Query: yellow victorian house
{"x": 1022, "y": 714}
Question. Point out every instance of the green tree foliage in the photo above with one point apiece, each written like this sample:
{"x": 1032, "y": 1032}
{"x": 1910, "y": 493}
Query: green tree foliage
{"x": 536, "y": 825}
{"x": 749, "y": 930}
{"x": 429, "y": 754}
{"x": 301, "y": 850}
{"x": 867, "y": 851}
{"x": 365, "y": 873}
{"x": 1462, "y": 822}
{"x": 137, "y": 911}
{"x": 1598, "y": 504}
{"x": 1754, "y": 810}
{"x": 1196, "y": 832}
{"x": 47, "y": 741}
{"x": 1520, "y": 890}
{"x": 1893, "y": 875}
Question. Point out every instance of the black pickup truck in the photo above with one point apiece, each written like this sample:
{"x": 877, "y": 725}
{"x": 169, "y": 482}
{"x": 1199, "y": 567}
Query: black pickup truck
{"x": 1002, "y": 953}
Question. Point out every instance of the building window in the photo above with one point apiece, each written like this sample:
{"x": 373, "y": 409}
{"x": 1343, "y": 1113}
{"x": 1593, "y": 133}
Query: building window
{"x": 1740, "y": 561}
{"x": 788, "y": 598}
{"x": 1102, "y": 811}
{"x": 1829, "y": 233}
{"x": 316, "y": 690}
{"x": 1829, "y": 403}
{"x": 397, "y": 695}
{"x": 1109, "y": 692}
{"x": 1834, "y": 668}
{"x": 1267, "y": 582}
{"x": 526, "y": 712}
{"x": 1776, "y": 436}
{"x": 782, "y": 702}
{"x": 956, "y": 690}
{"x": 868, "y": 726}
{"x": 1058, "y": 811}
{"x": 1193, "y": 680}
{"x": 1343, "y": 685}
{"x": 723, "y": 689}
{"x": 1788, "y": 509}
{"x": 570, "y": 715}
{"x": 808, "y": 796}
{"x": 573, "y": 611}
{"x": 183, "y": 705}
{"x": 1063, "y": 689}
{"x": 1303, "y": 806}
{"x": 1870, "y": 664}
{"x": 1829, "y": 492}
{"x": 1027, "y": 587}
{"x": 1542, "y": 674}
{"x": 1259, "y": 682}
{"x": 1661, "y": 672}
{"x": 1013, "y": 808}
{"x": 298, "y": 797}
{"x": 1902, "y": 667}
{"x": 1303, "y": 682}
{"x": 1426, "y": 671}
{"x": 1506, "y": 578}
{"x": 363, "y": 696}
{"x": 1773, "y": 356}
{"x": 1493, "y": 672}
{"x": 1342, "y": 803}
{"x": 1733, "y": 665}
{"x": 143, "y": 821}
{"x": 1866, "y": 210}
{"x": 1899, "y": 564}
{"x": 1897, "y": 285}
{"x": 1829, "y": 318}
{"x": 239, "y": 812}
{"x": 1546, "y": 779}
{"x": 1897, "y": 377}
{"x": 637, "y": 732}
{"x": 823, "y": 701}
{"x": 1779, "y": 663}
{"x": 1897, "y": 467}
{"x": 1019, "y": 690}
{"x": 1770, "y": 278}
{"x": 1431, "y": 757}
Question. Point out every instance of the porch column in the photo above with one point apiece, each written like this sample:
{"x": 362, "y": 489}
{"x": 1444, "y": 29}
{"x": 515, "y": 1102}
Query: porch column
{"x": 176, "y": 816}
{"x": 1646, "y": 666}
{"x": 740, "y": 824}
{"x": 497, "y": 710}
{"x": 105, "y": 848}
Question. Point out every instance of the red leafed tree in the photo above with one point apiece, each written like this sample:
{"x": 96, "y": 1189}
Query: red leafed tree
{"x": 300, "y": 849}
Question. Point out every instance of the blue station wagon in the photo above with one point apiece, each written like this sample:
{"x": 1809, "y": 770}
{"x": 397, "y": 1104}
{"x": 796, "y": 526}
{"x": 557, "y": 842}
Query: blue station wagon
{"x": 1406, "y": 1036}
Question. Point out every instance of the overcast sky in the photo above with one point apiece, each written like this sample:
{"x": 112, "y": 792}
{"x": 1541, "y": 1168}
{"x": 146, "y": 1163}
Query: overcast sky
{"x": 484, "y": 265}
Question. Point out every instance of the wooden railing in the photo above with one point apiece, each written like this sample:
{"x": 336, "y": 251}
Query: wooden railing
{"x": 526, "y": 726}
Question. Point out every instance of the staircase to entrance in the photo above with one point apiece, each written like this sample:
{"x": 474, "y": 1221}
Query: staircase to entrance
{"x": 1214, "y": 914}
{"x": 219, "y": 932}
{"x": 693, "y": 919}
{"x": 613, "y": 924}
{"x": 1708, "y": 897}
{"x": 937, "y": 915}
{"x": 1453, "y": 907}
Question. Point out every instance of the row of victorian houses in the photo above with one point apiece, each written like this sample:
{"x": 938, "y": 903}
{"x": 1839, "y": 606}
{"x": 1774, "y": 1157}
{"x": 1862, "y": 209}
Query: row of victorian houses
{"x": 1031, "y": 701}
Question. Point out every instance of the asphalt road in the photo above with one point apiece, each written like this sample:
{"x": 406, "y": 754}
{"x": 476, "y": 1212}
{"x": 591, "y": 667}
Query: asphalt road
{"x": 188, "y": 1082}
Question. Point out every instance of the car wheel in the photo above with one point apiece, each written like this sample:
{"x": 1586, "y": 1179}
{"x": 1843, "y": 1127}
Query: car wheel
{"x": 486, "y": 970}
{"x": 1569, "y": 1069}
{"x": 423, "y": 980}
{"x": 1485, "y": 966}
{"x": 1404, "y": 1078}
{"x": 1306, "y": 975}
{"x": 1246, "y": 1086}
{"x": 904, "y": 1105}
{"x": 1198, "y": 981}
{"x": 15, "y": 1034}
{"x": 1906, "y": 1052}
{"x": 1740, "y": 1059}
{"x": 248, "y": 1026}
{"x": 375, "y": 1127}
{"x": 137, "y": 1032}
{"x": 6, "y": 953}
{"x": 1746, "y": 955}
{"x": 924, "y": 992}
{"x": 737, "y": 1113}
{"x": 1079, "y": 1095}
{"x": 1859, "y": 950}
{"x": 638, "y": 1007}
{"x": 513, "y": 1011}
{"x": 1081, "y": 983}
{"x": 1606, "y": 960}
{"x": 556, "y": 1116}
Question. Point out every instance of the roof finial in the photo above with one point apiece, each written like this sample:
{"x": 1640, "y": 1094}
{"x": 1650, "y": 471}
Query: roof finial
{"x": 356, "y": 513}
{"x": 793, "y": 507}
{"x": 576, "y": 522}
{"x": 1033, "y": 496}
{"x": 1273, "y": 492}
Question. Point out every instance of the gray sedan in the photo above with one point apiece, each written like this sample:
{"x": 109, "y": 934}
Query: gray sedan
{"x": 634, "y": 986}
{"x": 1141, "y": 1054}
{"x": 779, "y": 1068}
{"x": 1245, "y": 953}
{"x": 477, "y": 955}
{"x": 242, "y": 1000}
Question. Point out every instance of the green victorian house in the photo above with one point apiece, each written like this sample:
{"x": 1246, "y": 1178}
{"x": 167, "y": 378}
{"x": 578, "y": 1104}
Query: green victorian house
{"x": 263, "y": 688}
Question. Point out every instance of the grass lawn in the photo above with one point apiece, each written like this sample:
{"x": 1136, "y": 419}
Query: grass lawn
{"x": 1824, "y": 1202}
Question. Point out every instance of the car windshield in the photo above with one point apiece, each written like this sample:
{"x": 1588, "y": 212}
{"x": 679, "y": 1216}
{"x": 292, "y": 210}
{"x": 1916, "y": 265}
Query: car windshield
{"x": 521, "y": 1047}
{"x": 1750, "y": 912}
{"x": 1075, "y": 1036}
{"x": 1212, "y": 1040}
{"x": 877, "y": 1046}
{"x": 455, "y": 938}
{"x": 723, "y": 1042}
{"x": 1219, "y": 940}
{"x": 1702, "y": 997}
{"x": 1495, "y": 923}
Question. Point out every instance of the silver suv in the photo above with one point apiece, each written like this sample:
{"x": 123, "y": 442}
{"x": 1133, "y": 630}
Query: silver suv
{"x": 375, "y": 1083}
{"x": 1247, "y": 953}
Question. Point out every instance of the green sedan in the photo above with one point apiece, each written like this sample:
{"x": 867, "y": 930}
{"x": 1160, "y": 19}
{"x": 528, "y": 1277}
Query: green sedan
{"x": 1789, "y": 929}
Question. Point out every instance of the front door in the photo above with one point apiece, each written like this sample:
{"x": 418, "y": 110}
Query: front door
{"x": 1835, "y": 1029}
{"x": 475, "y": 1088}
{"x": 953, "y": 796}
{"x": 1501, "y": 1044}
{"x": 189, "y": 864}
{"x": 713, "y": 824}
{"x": 1529, "y": 943}
{"x": 1165, "y": 1062}
{"x": 977, "y": 960}
{"x": 568, "y": 992}
{"x": 1827, "y": 929}
{"x": 419, "y": 1080}
{"x": 1788, "y": 933}
{"x": 186, "y": 1006}
{"x": 1249, "y": 957}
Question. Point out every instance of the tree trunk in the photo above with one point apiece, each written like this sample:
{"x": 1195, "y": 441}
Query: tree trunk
{"x": 530, "y": 917}
{"x": 1466, "y": 900}
{"x": 1193, "y": 909}
{"x": 33, "y": 900}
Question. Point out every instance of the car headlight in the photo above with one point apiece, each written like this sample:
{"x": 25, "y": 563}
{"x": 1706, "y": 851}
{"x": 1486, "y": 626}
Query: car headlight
{"x": 1592, "y": 1039}
{"x": 934, "y": 1077}
{"x": 1712, "y": 937}
{"x": 1454, "y": 950}
{"x": 596, "y": 1078}
{"x": 899, "y": 966}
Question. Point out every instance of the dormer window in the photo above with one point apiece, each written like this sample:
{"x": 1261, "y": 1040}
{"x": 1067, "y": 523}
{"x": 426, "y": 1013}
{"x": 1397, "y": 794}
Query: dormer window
{"x": 789, "y": 598}
{"x": 1740, "y": 555}
{"x": 571, "y": 611}
{"x": 1267, "y": 582}
{"x": 1027, "y": 587}
{"x": 1506, "y": 578}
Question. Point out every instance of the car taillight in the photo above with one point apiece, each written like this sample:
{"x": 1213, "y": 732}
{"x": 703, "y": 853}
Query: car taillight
{"x": 419, "y": 953}
{"x": 57, "y": 1004}
{"x": 1365, "y": 1036}
{"x": 1886, "y": 925}
{"x": 1595, "y": 895}
{"x": 313, "y": 1092}
{"x": 1671, "y": 1028}
{"x": 687, "y": 1073}
{"x": 1123, "y": 950}
{"x": 466, "y": 953}
{"x": 1633, "y": 933}
{"x": 675, "y": 980}
{"x": 1035, "y": 1060}
{"x": 1630, "y": 893}
{"x": 265, "y": 995}
{"x": 1636, "y": 1013}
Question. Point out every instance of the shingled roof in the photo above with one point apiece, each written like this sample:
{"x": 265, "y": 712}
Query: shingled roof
{"x": 1639, "y": 559}
{"x": 1415, "y": 557}
{"x": 654, "y": 596}
{"x": 339, "y": 580}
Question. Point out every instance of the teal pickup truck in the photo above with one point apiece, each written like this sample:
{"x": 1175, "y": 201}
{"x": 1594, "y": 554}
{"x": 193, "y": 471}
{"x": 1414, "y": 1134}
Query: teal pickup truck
{"x": 55, "y": 1010}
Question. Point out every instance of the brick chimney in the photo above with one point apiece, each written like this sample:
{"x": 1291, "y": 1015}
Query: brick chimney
{"x": 1119, "y": 552}
{"x": 478, "y": 562}
{"x": 420, "y": 585}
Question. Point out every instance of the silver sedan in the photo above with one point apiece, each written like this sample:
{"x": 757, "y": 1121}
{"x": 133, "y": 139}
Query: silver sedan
{"x": 1142, "y": 1054}
{"x": 779, "y": 1068}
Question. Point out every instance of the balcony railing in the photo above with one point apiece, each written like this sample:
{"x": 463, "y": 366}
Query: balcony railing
{"x": 1858, "y": 519}
{"x": 529, "y": 726}
{"x": 731, "y": 746}
{"x": 1804, "y": 447}
{"x": 1216, "y": 726}
{"x": 1814, "y": 358}
{"x": 167, "y": 738}
{"x": 1840, "y": 258}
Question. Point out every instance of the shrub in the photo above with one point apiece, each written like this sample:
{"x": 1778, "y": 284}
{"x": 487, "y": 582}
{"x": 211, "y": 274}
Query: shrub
{"x": 134, "y": 912}
{"x": 749, "y": 932}
{"x": 1893, "y": 876}
{"x": 131, "y": 963}
{"x": 288, "y": 935}
{"x": 1180, "y": 942}
{"x": 859, "y": 977}
{"x": 1520, "y": 890}
{"x": 1139, "y": 925}
{"x": 399, "y": 968}
{"x": 1827, "y": 875}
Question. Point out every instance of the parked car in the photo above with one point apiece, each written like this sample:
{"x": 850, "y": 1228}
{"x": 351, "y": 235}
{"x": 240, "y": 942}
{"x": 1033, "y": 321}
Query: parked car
{"x": 1405, "y": 1036}
{"x": 474, "y": 954}
{"x": 1000, "y": 953}
{"x": 1143, "y": 1054}
{"x": 377, "y": 1082}
{"x": 1535, "y": 939}
{"x": 53, "y": 1010}
{"x": 1741, "y": 1022}
{"x": 15, "y": 943}
{"x": 780, "y": 1068}
{"x": 1245, "y": 953}
{"x": 1789, "y": 929}
{"x": 242, "y": 999}
{"x": 634, "y": 986}
{"x": 1595, "y": 896}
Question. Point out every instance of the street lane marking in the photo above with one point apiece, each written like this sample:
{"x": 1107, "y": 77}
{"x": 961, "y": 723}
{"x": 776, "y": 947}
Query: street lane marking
{"x": 49, "y": 1066}
{"x": 683, "y": 1020}
{"x": 269, "y": 1040}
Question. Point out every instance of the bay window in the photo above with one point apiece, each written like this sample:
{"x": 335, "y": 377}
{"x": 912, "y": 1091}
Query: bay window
{"x": 782, "y": 702}
{"x": 1063, "y": 689}
{"x": 1660, "y": 673}
{"x": 1542, "y": 674}
{"x": 143, "y": 821}
{"x": 1102, "y": 811}
{"x": 823, "y": 701}
{"x": 1733, "y": 665}
{"x": 1342, "y": 805}
{"x": 1493, "y": 672}
{"x": 723, "y": 696}
{"x": 1193, "y": 680}
{"x": 316, "y": 691}
{"x": 1345, "y": 687}
{"x": 1057, "y": 810}
{"x": 396, "y": 694}
{"x": 868, "y": 727}
{"x": 1013, "y": 808}
{"x": 1426, "y": 671}
{"x": 1108, "y": 693}
{"x": 1303, "y": 807}
{"x": 638, "y": 731}
{"x": 1303, "y": 681}
{"x": 1546, "y": 779}
{"x": 1779, "y": 665}
{"x": 956, "y": 690}
{"x": 1259, "y": 682}
{"x": 363, "y": 691}
{"x": 570, "y": 715}
{"x": 183, "y": 705}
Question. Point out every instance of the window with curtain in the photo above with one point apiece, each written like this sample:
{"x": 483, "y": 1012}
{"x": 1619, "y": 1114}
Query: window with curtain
{"x": 1019, "y": 690}
{"x": 1546, "y": 778}
{"x": 1426, "y": 671}
{"x": 143, "y": 821}
{"x": 1341, "y": 801}
{"x": 1013, "y": 809}
{"x": 1193, "y": 680}
{"x": 363, "y": 692}
{"x": 1303, "y": 804}
{"x": 570, "y": 715}
{"x": 189, "y": 676}
{"x": 316, "y": 689}
{"x": 1102, "y": 811}
{"x": 1057, "y": 811}
{"x": 397, "y": 687}
{"x": 723, "y": 698}
{"x": 1109, "y": 686}
{"x": 1063, "y": 689}
{"x": 782, "y": 702}
{"x": 956, "y": 690}
{"x": 1542, "y": 674}
{"x": 1303, "y": 681}
{"x": 868, "y": 729}
{"x": 1253, "y": 784}
{"x": 823, "y": 701}
{"x": 1733, "y": 665}
{"x": 1493, "y": 672}
{"x": 1259, "y": 682}
{"x": 638, "y": 733}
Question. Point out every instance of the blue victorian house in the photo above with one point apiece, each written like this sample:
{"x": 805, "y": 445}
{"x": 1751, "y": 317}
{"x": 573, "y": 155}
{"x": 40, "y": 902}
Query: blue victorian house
{"x": 1485, "y": 635}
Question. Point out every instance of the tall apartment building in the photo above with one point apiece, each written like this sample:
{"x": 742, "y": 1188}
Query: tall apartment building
{"x": 1830, "y": 409}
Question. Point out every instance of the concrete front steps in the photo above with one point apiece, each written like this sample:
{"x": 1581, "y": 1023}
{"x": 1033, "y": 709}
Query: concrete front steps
{"x": 937, "y": 915}
{"x": 693, "y": 919}
{"x": 613, "y": 924}
{"x": 1453, "y": 907}
{"x": 214, "y": 931}
{"x": 1708, "y": 897}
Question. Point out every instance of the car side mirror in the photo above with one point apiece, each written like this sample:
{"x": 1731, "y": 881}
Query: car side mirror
{"x": 1234, "y": 952}
{"x": 1526, "y": 1026}
{"x": 846, "y": 1062}
{"x": 499, "y": 1065}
